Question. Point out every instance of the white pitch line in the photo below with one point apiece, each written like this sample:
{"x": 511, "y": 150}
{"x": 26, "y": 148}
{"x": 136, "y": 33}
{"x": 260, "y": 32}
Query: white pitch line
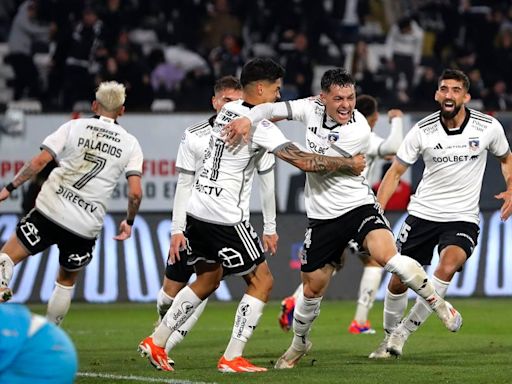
{"x": 138, "y": 378}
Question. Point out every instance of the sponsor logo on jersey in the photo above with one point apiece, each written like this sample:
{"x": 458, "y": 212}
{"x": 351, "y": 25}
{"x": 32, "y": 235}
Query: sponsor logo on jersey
{"x": 103, "y": 133}
{"x": 208, "y": 189}
{"x": 316, "y": 148}
{"x": 453, "y": 159}
{"x": 75, "y": 199}
{"x": 438, "y": 146}
{"x": 474, "y": 143}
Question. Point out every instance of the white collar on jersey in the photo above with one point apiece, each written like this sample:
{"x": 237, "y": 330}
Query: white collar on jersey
{"x": 107, "y": 119}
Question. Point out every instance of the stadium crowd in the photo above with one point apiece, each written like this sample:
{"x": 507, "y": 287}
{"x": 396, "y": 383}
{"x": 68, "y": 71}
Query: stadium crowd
{"x": 176, "y": 49}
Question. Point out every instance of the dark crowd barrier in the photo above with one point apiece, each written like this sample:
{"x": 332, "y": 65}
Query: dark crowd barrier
{"x": 133, "y": 270}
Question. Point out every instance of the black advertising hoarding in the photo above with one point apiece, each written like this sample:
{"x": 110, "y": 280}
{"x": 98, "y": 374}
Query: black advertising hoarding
{"x": 133, "y": 270}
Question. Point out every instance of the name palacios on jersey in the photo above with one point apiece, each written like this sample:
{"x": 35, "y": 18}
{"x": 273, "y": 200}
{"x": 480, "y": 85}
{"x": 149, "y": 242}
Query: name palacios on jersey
{"x": 99, "y": 145}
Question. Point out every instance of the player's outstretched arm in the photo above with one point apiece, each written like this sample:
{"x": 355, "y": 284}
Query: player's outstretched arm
{"x": 390, "y": 182}
{"x": 30, "y": 169}
{"x": 506, "y": 196}
{"x": 134, "y": 199}
{"x": 311, "y": 162}
{"x": 179, "y": 216}
{"x": 391, "y": 143}
{"x": 268, "y": 208}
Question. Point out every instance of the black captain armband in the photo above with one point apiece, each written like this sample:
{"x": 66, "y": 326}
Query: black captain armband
{"x": 130, "y": 222}
{"x": 10, "y": 187}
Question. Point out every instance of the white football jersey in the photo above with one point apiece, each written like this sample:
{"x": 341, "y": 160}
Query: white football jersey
{"x": 195, "y": 142}
{"x": 455, "y": 162}
{"x": 222, "y": 190}
{"x": 332, "y": 195}
{"x": 92, "y": 154}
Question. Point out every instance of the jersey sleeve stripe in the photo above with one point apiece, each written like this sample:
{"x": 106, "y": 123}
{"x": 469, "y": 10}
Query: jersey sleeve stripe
{"x": 403, "y": 162}
{"x": 54, "y": 155}
{"x": 279, "y": 147}
{"x": 186, "y": 171}
{"x": 133, "y": 173}
{"x": 199, "y": 126}
{"x": 289, "y": 110}
{"x": 266, "y": 170}
{"x": 429, "y": 119}
{"x": 504, "y": 155}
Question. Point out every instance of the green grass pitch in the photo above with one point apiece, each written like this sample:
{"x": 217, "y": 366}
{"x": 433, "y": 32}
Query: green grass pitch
{"x": 106, "y": 337}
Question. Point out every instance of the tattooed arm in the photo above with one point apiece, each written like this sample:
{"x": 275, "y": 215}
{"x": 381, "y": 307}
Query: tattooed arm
{"x": 30, "y": 169}
{"x": 311, "y": 162}
{"x": 134, "y": 199}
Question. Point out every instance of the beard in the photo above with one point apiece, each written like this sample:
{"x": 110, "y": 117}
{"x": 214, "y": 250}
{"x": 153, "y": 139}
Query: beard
{"x": 450, "y": 115}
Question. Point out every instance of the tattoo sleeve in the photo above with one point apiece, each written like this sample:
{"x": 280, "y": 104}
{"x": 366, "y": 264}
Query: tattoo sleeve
{"x": 311, "y": 162}
{"x": 133, "y": 206}
{"x": 26, "y": 172}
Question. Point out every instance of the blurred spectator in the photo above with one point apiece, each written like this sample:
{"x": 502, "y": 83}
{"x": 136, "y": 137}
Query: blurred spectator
{"x": 25, "y": 31}
{"x": 220, "y": 22}
{"x": 497, "y": 98}
{"x": 85, "y": 50}
{"x": 135, "y": 78}
{"x": 404, "y": 44}
{"x": 425, "y": 89}
{"x": 503, "y": 56}
{"x": 364, "y": 67}
{"x": 226, "y": 59}
{"x": 477, "y": 88}
{"x": 7, "y": 11}
{"x": 165, "y": 77}
{"x": 116, "y": 15}
{"x": 299, "y": 69}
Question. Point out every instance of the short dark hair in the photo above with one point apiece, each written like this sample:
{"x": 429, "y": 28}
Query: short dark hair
{"x": 455, "y": 74}
{"x": 336, "y": 76}
{"x": 259, "y": 69}
{"x": 366, "y": 104}
{"x": 226, "y": 82}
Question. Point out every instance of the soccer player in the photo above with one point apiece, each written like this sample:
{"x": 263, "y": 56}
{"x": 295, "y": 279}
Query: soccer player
{"x": 33, "y": 350}
{"x": 190, "y": 162}
{"x": 444, "y": 211}
{"x": 340, "y": 207}
{"x": 372, "y": 273}
{"x": 220, "y": 241}
{"x": 92, "y": 154}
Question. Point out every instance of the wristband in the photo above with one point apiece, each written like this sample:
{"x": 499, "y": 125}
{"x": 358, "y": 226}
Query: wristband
{"x": 10, "y": 187}
{"x": 130, "y": 222}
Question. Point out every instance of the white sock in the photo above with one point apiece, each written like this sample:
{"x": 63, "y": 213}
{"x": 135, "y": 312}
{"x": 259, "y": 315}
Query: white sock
{"x": 298, "y": 291}
{"x": 178, "y": 336}
{"x": 6, "y": 270}
{"x": 420, "y": 312}
{"x": 306, "y": 311}
{"x": 368, "y": 288}
{"x": 163, "y": 303}
{"x": 414, "y": 276}
{"x": 59, "y": 303}
{"x": 394, "y": 309}
{"x": 247, "y": 318}
{"x": 183, "y": 306}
